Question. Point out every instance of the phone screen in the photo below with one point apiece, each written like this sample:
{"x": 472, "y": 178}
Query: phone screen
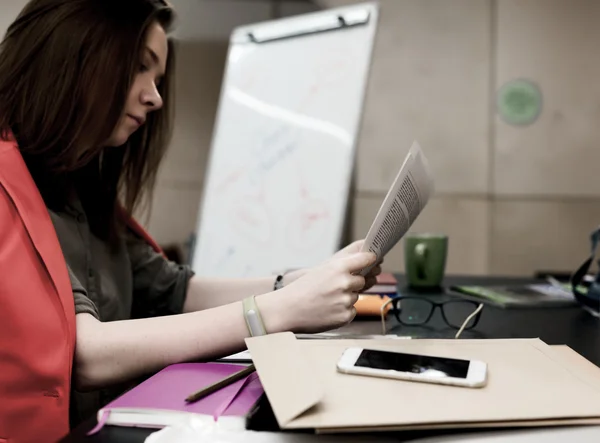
{"x": 417, "y": 364}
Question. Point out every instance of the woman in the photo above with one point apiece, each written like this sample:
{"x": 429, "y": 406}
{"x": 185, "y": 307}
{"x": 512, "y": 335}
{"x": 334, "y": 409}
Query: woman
{"x": 85, "y": 294}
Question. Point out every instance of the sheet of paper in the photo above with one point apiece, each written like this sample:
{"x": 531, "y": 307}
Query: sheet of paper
{"x": 245, "y": 357}
{"x": 403, "y": 203}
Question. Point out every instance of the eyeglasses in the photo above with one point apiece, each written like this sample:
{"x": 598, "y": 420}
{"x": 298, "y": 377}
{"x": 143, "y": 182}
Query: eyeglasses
{"x": 415, "y": 311}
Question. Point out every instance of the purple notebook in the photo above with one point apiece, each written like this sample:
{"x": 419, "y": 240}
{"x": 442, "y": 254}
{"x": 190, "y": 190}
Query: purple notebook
{"x": 160, "y": 400}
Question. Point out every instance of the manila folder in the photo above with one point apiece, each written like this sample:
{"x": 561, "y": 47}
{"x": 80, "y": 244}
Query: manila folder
{"x": 529, "y": 384}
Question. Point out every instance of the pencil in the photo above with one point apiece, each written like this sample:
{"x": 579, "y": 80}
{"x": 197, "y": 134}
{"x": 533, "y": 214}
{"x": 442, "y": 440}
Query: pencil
{"x": 220, "y": 384}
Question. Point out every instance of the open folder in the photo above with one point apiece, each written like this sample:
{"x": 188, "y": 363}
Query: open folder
{"x": 529, "y": 384}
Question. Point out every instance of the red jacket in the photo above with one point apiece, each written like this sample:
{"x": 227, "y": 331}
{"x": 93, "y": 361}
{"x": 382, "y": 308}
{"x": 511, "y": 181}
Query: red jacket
{"x": 37, "y": 315}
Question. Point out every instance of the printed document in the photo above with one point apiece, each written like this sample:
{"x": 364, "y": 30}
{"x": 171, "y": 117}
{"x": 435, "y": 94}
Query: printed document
{"x": 402, "y": 205}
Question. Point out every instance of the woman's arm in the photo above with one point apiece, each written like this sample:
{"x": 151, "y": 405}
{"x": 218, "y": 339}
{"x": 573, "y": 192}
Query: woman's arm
{"x": 113, "y": 352}
{"x": 206, "y": 293}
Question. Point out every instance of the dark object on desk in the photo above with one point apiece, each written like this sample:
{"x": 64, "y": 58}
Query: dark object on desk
{"x": 558, "y": 275}
{"x": 232, "y": 378}
{"x": 432, "y": 290}
{"x": 588, "y": 295}
{"x": 534, "y": 295}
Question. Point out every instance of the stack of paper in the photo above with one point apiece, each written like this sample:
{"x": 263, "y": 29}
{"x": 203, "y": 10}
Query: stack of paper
{"x": 529, "y": 384}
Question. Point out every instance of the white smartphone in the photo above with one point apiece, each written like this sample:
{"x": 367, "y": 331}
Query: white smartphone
{"x": 413, "y": 367}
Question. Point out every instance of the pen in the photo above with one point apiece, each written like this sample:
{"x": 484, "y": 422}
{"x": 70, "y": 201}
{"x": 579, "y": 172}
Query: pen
{"x": 220, "y": 384}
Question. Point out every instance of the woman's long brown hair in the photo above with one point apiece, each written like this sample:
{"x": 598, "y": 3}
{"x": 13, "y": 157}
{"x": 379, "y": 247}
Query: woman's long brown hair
{"x": 66, "y": 68}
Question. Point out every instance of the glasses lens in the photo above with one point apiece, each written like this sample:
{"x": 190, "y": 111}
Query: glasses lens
{"x": 456, "y": 312}
{"x": 413, "y": 311}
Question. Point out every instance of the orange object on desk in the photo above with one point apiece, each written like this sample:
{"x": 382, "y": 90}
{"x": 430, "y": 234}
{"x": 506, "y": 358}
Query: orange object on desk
{"x": 369, "y": 305}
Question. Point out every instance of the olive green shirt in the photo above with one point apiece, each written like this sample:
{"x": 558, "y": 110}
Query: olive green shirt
{"x": 129, "y": 281}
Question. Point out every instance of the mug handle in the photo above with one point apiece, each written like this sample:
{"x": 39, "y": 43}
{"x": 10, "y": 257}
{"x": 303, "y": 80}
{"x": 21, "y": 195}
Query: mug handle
{"x": 421, "y": 253}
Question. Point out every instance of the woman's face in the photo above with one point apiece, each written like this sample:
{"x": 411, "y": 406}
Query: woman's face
{"x": 144, "y": 97}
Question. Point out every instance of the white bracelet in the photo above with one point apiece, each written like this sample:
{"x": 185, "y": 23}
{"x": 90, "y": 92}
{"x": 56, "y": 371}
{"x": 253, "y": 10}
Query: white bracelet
{"x": 253, "y": 318}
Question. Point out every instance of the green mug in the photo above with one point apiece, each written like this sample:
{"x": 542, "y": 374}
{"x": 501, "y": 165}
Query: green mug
{"x": 425, "y": 259}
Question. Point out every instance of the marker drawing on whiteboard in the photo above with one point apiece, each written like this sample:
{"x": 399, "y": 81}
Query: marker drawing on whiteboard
{"x": 250, "y": 217}
{"x": 308, "y": 224}
{"x": 228, "y": 254}
{"x": 327, "y": 74}
{"x": 229, "y": 180}
{"x": 274, "y": 136}
{"x": 310, "y": 218}
{"x": 278, "y": 157}
{"x": 252, "y": 222}
{"x": 247, "y": 271}
{"x": 233, "y": 177}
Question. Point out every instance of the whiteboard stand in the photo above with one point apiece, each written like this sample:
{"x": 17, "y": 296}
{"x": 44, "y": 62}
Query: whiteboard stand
{"x": 348, "y": 226}
{"x": 283, "y": 148}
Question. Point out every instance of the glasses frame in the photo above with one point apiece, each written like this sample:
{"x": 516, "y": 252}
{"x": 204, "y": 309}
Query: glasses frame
{"x": 476, "y": 313}
{"x": 435, "y": 305}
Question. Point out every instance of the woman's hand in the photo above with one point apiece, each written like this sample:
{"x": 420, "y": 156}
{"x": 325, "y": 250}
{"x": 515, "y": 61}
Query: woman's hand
{"x": 353, "y": 248}
{"x": 324, "y": 298}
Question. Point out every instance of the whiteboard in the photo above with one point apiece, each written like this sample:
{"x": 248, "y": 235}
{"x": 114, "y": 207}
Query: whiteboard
{"x": 283, "y": 148}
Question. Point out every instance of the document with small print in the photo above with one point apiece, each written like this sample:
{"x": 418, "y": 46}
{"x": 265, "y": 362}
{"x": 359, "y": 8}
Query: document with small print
{"x": 403, "y": 203}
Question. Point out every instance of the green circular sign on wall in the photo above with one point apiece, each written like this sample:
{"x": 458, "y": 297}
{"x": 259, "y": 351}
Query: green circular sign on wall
{"x": 519, "y": 102}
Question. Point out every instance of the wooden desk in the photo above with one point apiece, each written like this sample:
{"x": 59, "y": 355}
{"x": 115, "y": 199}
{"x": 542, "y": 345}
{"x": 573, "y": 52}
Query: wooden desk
{"x": 571, "y": 326}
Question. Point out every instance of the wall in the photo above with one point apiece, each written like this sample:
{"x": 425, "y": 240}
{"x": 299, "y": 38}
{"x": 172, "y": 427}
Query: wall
{"x": 9, "y": 9}
{"x": 513, "y": 199}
